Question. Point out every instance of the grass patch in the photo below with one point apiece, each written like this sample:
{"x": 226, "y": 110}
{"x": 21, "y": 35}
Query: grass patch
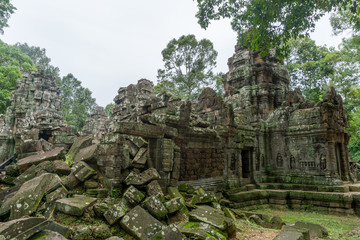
{"x": 339, "y": 227}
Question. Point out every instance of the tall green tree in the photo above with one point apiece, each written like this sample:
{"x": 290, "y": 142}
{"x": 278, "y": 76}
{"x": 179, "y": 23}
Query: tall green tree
{"x": 188, "y": 66}
{"x": 109, "y": 109}
{"x": 311, "y": 67}
{"x": 77, "y": 102}
{"x": 38, "y": 56}
{"x": 12, "y": 63}
{"x": 6, "y": 9}
{"x": 265, "y": 24}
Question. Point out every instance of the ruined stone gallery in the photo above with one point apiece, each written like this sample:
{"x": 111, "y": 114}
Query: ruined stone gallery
{"x": 164, "y": 168}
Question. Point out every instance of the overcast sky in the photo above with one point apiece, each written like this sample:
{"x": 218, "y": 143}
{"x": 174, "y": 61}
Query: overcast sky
{"x": 109, "y": 44}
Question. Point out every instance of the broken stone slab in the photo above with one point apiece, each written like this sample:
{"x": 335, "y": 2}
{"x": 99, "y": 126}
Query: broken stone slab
{"x": 74, "y": 206}
{"x": 140, "y": 224}
{"x": 200, "y": 230}
{"x": 12, "y": 170}
{"x": 213, "y": 217}
{"x": 28, "y": 197}
{"x": 55, "y": 227}
{"x": 203, "y": 197}
{"x": 139, "y": 159}
{"x": 59, "y": 193}
{"x": 82, "y": 232}
{"x": 54, "y": 154}
{"x": 155, "y": 206}
{"x": 83, "y": 171}
{"x": 79, "y": 143}
{"x": 289, "y": 236}
{"x": 292, "y": 228}
{"x": 143, "y": 178}
{"x": 115, "y": 213}
{"x": 101, "y": 231}
{"x": 86, "y": 154}
{"x": 114, "y": 238}
{"x": 5, "y": 179}
{"x": 100, "y": 209}
{"x": 176, "y": 204}
{"x": 276, "y": 222}
{"x": 133, "y": 196}
{"x": 170, "y": 232}
{"x": 259, "y": 221}
{"x": 154, "y": 188}
{"x": 70, "y": 181}
{"x": 315, "y": 230}
{"x": 23, "y": 228}
{"x": 48, "y": 235}
{"x": 174, "y": 192}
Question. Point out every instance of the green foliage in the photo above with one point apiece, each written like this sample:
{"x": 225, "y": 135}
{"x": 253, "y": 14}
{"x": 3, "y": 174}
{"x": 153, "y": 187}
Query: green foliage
{"x": 12, "y": 63}
{"x": 311, "y": 67}
{"x": 69, "y": 160}
{"x": 188, "y": 66}
{"x": 264, "y": 24}
{"x": 77, "y": 102}
{"x": 6, "y": 9}
{"x": 38, "y": 56}
{"x": 109, "y": 109}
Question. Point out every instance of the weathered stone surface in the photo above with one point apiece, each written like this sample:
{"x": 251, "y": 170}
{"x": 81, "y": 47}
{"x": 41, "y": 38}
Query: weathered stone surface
{"x": 140, "y": 224}
{"x": 82, "y": 232}
{"x": 292, "y": 228}
{"x": 176, "y": 204}
{"x": 55, "y": 227}
{"x": 28, "y": 197}
{"x": 79, "y": 143}
{"x": 86, "y": 154}
{"x": 23, "y": 228}
{"x": 12, "y": 170}
{"x": 212, "y": 216}
{"x": 170, "y": 232}
{"x": 315, "y": 230}
{"x": 59, "y": 193}
{"x": 71, "y": 181}
{"x": 83, "y": 171}
{"x": 289, "y": 236}
{"x": 74, "y": 206}
{"x": 133, "y": 196}
{"x": 48, "y": 235}
{"x": 25, "y": 163}
{"x": 154, "y": 188}
{"x": 101, "y": 231}
{"x": 199, "y": 230}
{"x": 143, "y": 178}
{"x": 155, "y": 206}
{"x": 100, "y": 209}
{"x": 115, "y": 213}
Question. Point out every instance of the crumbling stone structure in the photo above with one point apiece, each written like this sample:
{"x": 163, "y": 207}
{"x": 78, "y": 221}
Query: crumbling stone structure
{"x": 261, "y": 131}
{"x": 35, "y": 114}
{"x": 95, "y": 124}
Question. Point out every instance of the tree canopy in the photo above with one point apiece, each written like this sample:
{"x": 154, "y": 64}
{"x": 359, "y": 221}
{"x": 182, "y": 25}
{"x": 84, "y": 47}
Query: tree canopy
{"x": 12, "y": 63}
{"x": 6, "y": 9}
{"x": 264, "y": 24}
{"x": 188, "y": 66}
{"x": 77, "y": 101}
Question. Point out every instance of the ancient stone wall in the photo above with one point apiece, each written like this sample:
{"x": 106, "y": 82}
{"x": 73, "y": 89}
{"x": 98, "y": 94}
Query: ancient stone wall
{"x": 35, "y": 113}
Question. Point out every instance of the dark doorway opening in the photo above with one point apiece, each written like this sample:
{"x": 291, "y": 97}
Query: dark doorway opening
{"x": 45, "y": 134}
{"x": 246, "y": 157}
{"x": 340, "y": 160}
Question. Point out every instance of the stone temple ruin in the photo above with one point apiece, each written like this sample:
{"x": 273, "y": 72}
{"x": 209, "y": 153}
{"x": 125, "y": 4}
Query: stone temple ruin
{"x": 159, "y": 157}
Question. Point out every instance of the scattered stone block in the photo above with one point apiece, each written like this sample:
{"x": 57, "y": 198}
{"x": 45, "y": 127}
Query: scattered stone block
{"x": 91, "y": 184}
{"x": 70, "y": 181}
{"x": 100, "y": 209}
{"x": 289, "y": 236}
{"x": 55, "y": 227}
{"x": 5, "y": 179}
{"x": 83, "y": 171}
{"x": 25, "y": 163}
{"x": 176, "y": 204}
{"x": 28, "y": 197}
{"x": 140, "y": 224}
{"x": 48, "y": 235}
{"x": 212, "y": 216}
{"x": 101, "y": 231}
{"x": 153, "y": 188}
{"x": 59, "y": 193}
{"x": 86, "y": 154}
{"x": 74, "y": 206}
{"x": 170, "y": 232}
{"x": 12, "y": 170}
{"x": 133, "y": 196}
{"x": 79, "y": 143}
{"x": 23, "y": 228}
{"x": 200, "y": 230}
{"x": 315, "y": 230}
{"x": 115, "y": 213}
{"x": 142, "y": 178}
{"x": 82, "y": 232}
{"x": 155, "y": 206}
